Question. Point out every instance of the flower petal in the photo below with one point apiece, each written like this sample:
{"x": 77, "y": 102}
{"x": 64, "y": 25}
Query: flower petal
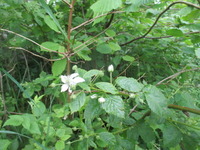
{"x": 78, "y": 80}
{"x": 70, "y": 91}
{"x": 64, "y": 87}
{"x": 72, "y": 76}
{"x": 64, "y": 79}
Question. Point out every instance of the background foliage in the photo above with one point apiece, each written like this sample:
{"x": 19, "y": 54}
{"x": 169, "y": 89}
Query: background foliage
{"x": 151, "y": 98}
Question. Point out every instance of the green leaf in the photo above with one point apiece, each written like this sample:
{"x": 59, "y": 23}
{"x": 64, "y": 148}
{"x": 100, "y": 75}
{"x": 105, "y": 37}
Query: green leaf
{"x": 128, "y": 58}
{"x": 38, "y": 108}
{"x": 104, "y": 6}
{"x": 174, "y": 32}
{"x": 171, "y": 136}
{"x": 51, "y": 23}
{"x": 82, "y": 51}
{"x": 92, "y": 110}
{"x": 135, "y": 4}
{"x": 27, "y": 121}
{"x": 107, "y": 87}
{"x": 114, "y": 46}
{"x": 34, "y": 128}
{"x": 129, "y": 84}
{"x": 91, "y": 73}
{"x": 60, "y": 145}
{"x": 78, "y": 102}
{"x": 84, "y": 86}
{"x": 107, "y": 137}
{"x": 15, "y": 120}
{"x": 51, "y": 46}
{"x": 58, "y": 67}
{"x": 114, "y": 105}
{"x": 145, "y": 130}
{"x": 197, "y": 52}
{"x": 4, "y": 144}
{"x": 156, "y": 100}
{"x": 104, "y": 49}
{"x": 110, "y": 33}
{"x": 48, "y": 10}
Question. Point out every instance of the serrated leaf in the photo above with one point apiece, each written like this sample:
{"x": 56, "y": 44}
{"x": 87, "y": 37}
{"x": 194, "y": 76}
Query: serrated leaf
{"x": 156, "y": 100}
{"x": 197, "y": 52}
{"x": 92, "y": 110}
{"x": 104, "y": 6}
{"x": 104, "y": 49}
{"x": 58, "y": 67}
{"x": 107, "y": 87}
{"x": 50, "y": 23}
{"x": 78, "y": 102}
{"x": 128, "y": 58}
{"x": 129, "y": 84}
{"x": 114, "y": 105}
{"x": 175, "y": 32}
{"x": 107, "y": 137}
{"x": 171, "y": 136}
{"x": 15, "y": 120}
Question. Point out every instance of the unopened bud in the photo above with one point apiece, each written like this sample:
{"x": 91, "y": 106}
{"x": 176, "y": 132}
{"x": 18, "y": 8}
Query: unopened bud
{"x": 110, "y": 68}
{"x": 74, "y": 67}
{"x": 52, "y": 85}
{"x": 132, "y": 95}
{"x": 94, "y": 96}
{"x": 101, "y": 100}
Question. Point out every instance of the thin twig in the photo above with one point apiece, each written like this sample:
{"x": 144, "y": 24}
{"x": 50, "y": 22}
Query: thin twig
{"x": 132, "y": 110}
{"x": 124, "y": 70}
{"x": 143, "y": 36}
{"x": 169, "y": 36}
{"x": 32, "y": 41}
{"x": 84, "y": 44}
{"x": 9, "y": 70}
{"x": 91, "y": 20}
{"x": 176, "y": 74}
{"x": 20, "y": 48}
{"x": 70, "y": 6}
{"x": 27, "y": 67}
{"x": 15, "y": 113}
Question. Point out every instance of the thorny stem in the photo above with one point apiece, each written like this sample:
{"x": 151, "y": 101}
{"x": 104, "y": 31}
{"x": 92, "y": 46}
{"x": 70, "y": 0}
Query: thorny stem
{"x": 68, "y": 50}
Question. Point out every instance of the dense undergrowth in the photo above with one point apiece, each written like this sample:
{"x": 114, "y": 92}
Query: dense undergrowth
{"x": 106, "y": 74}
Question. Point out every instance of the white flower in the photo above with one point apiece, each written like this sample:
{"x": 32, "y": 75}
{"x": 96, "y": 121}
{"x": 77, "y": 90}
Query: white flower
{"x": 101, "y": 100}
{"x": 70, "y": 81}
{"x": 157, "y": 2}
{"x": 110, "y": 68}
{"x": 93, "y": 96}
{"x": 132, "y": 95}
